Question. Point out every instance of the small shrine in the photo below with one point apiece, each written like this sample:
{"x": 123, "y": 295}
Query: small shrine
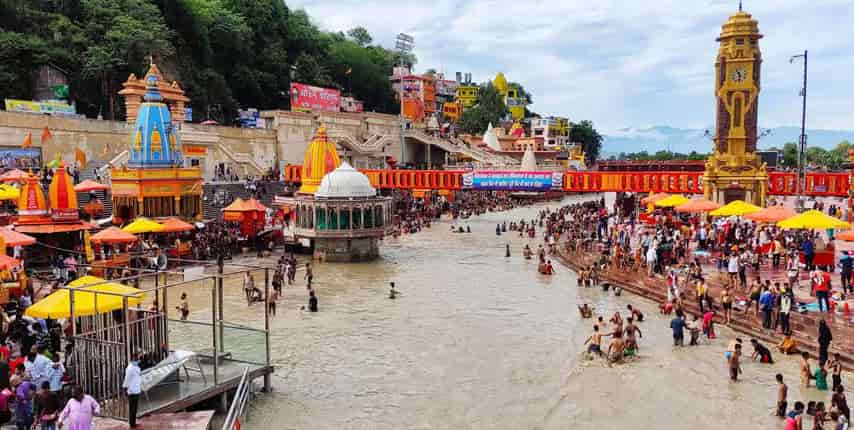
{"x": 59, "y": 214}
{"x": 336, "y": 210}
{"x": 154, "y": 182}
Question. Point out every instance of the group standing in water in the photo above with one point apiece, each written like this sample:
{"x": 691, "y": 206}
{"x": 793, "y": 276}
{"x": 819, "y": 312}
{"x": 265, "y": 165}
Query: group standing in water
{"x": 624, "y": 334}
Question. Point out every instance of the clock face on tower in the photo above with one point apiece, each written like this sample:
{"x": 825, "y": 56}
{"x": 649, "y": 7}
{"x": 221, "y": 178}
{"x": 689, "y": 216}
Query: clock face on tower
{"x": 739, "y": 75}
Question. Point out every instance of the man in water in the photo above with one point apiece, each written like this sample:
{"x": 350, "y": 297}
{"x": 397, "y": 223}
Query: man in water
{"x": 392, "y": 294}
{"x": 636, "y": 314}
{"x": 677, "y": 324}
{"x": 782, "y": 395}
{"x": 806, "y": 372}
{"x": 632, "y": 333}
{"x": 616, "y": 349}
{"x": 595, "y": 341}
{"x": 735, "y": 364}
{"x": 761, "y": 352}
{"x": 312, "y": 301}
{"x": 585, "y": 310}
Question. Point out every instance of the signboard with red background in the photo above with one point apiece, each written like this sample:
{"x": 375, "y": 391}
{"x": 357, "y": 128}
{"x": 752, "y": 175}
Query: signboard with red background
{"x": 307, "y": 98}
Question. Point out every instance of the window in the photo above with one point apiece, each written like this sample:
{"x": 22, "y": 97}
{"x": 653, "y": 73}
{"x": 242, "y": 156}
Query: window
{"x": 739, "y": 42}
{"x": 737, "y": 108}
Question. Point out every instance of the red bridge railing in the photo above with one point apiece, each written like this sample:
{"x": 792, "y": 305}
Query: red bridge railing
{"x": 779, "y": 183}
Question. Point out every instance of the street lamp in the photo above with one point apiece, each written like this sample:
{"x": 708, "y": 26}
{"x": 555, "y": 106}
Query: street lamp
{"x": 404, "y": 43}
{"x": 802, "y": 149}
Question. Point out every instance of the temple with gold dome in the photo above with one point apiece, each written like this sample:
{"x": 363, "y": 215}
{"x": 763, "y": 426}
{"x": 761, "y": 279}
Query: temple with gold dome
{"x": 336, "y": 210}
{"x": 154, "y": 182}
{"x": 734, "y": 171}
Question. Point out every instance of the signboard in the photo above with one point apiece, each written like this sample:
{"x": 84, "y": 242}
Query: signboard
{"x": 188, "y": 114}
{"x": 13, "y": 157}
{"x": 47, "y": 107}
{"x": 64, "y": 214}
{"x": 349, "y": 104}
{"x": 513, "y": 181}
{"x": 451, "y": 110}
{"x": 249, "y": 118}
{"x": 307, "y": 98}
{"x": 195, "y": 151}
{"x": 59, "y": 91}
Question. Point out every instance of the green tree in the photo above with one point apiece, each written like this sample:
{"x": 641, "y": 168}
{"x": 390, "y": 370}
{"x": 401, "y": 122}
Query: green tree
{"x": 591, "y": 141}
{"x": 361, "y": 36}
{"x": 790, "y": 155}
{"x": 490, "y": 108}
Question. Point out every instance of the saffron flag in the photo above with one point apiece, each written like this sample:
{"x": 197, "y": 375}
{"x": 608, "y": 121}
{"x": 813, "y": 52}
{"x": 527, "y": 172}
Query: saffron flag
{"x": 80, "y": 156}
{"x": 87, "y": 243}
{"x": 28, "y": 141}
{"x": 46, "y": 135}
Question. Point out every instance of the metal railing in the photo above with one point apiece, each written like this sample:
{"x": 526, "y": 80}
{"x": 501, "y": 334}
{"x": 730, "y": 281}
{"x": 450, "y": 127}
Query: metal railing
{"x": 238, "y": 404}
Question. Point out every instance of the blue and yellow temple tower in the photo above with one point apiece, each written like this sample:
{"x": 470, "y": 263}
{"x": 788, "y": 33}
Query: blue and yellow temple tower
{"x": 154, "y": 182}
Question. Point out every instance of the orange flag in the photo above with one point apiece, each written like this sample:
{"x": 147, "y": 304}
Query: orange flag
{"x": 80, "y": 156}
{"x": 28, "y": 141}
{"x": 46, "y": 135}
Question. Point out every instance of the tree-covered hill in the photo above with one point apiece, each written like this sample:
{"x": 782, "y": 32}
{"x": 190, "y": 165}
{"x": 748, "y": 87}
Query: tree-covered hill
{"x": 227, "y": 54}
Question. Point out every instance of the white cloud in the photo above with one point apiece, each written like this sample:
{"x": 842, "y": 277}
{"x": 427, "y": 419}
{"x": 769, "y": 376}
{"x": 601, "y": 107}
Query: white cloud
{"x": 620, "y": 63}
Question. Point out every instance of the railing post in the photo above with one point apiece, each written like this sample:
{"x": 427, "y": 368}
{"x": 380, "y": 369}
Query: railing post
{"x": 267, "y": 385}
{"x": 214, "y": 337}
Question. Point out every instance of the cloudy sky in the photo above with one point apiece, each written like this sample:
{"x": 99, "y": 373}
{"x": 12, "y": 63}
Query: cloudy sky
{"x": 621, "y": 63}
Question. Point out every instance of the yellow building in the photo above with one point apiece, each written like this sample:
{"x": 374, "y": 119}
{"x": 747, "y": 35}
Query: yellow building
{"x": 512, "y": 99}
{"x": 734, "y": 171}
{"x": 467, "y": 95}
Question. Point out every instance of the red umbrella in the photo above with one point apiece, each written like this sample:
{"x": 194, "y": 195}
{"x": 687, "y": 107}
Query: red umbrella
{"x": 7, "y": 262}
{"x": 13, "y": 238}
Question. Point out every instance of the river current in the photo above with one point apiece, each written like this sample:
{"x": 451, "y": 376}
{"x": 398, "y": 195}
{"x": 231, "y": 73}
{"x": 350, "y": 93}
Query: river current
{"x": 480, "y": 341}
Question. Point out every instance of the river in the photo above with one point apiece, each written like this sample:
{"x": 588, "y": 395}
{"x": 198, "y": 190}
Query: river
{"x": 480, "y": 341}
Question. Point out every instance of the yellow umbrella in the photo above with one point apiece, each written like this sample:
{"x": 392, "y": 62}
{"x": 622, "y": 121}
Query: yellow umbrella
{"x": 672, "y": 201}
{"x": 8, "y": 192}
{"x": 814, "y": 220}
{"x": 58, "y": 303}
{"x": 143, "y": 225}
{"x": 735, "y": 208}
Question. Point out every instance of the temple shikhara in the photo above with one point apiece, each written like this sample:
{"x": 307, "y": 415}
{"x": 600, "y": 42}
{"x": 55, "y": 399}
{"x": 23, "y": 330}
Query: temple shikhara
{"x": 154, "y": 183}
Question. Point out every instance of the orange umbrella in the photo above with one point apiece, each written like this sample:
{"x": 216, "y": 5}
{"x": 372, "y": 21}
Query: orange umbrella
{"x": 772, "y": 214}
{"x": 256, "y": 205}
{"x": 90, "y": 185}
{"x": 13, "y": 238}
{"x": 113, "y": 235}
{"x": 174, "y": 225}
{"x": 14, "y": 175}
{"x": 652, "y": 198}
{"x": 7, "y": 262}
{"x": 697, "y": 205}
{"x": 847, "y": 236}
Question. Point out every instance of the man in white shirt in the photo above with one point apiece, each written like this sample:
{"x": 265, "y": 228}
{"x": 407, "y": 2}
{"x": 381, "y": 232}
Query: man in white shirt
{"x": 133, "y": 385}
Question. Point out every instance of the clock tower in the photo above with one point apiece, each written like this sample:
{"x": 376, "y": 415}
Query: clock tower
{"x": 734, "y": 171}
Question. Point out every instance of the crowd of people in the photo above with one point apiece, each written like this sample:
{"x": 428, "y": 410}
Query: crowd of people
{"x": 761, "y": 280}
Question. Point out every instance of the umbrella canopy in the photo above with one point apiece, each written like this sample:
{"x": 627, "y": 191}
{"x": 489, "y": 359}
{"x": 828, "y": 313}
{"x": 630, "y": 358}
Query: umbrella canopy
{"x": 113, "y": 235}
{"x": 143, "y": 225}
{"x": 256, "y": 205}
{"x": 7, "y": 262}
{"x": 672, "y": 201}
{"x": 238, "y": 205}
{"x": 652, "y": 198}
{"x": 697, "y": 205}
{"x": 13, "y": 238}
{"x": 90, "y": 185}
{"x": 174, "y": 225}
{"x": 772, "y": 214}
{"x": 847, "y": 236}
{"x": 14, "y": 175}
{"x": 813, "y": 219}
{"x": 736, "y": 208}
{"x": 8, "y": 192}
{"x": 58, "y": 303}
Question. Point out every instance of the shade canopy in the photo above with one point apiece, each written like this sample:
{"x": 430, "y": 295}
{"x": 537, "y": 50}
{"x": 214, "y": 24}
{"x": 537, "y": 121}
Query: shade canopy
{"x": 847, "y": 236}
{"x": 697, "y": 205}
{"x": 736, "y": 208}
{"x": 14, "y": 175}
{"x": 813, "y": 219}
{"x": 54, "y": 228}
{"x": 652, "y": 198}
{"x": 7, "y": 262}
{"x": 174, "y": 225}
{"x": 58, "y": 303}
{"x": 90, "y": 185}
{"x": 672, "y": 201}
{"x": 772, "y": 214}
{"x": 8, "y": 192}
{"x": 13, "y": 238}
{"x": 113, "y": 235}
{"x": 143, "y": 225}
{"x": 241, "y": 210}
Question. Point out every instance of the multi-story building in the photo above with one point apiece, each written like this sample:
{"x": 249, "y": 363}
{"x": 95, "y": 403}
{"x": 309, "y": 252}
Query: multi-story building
{"x": 553, "y": 130}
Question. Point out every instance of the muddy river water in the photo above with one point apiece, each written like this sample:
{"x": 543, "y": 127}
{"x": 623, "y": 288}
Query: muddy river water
{"x": 480, "y": 341}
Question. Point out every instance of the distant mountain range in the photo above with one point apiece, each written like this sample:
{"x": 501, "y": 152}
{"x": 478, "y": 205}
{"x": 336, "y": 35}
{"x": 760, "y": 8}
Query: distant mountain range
{"x": 660, "y": 138}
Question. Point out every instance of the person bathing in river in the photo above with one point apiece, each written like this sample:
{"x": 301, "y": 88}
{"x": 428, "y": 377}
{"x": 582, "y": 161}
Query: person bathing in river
{"x": 761, "y": 352}
{"x": 526, "y": 252}
{"x": 734, "y": 363}
{"x": 636, "y": 314}
{"x": 595, "y": 342}
{"x": 585, "y": 310}
{"x": 392, "y": 294}
{"x": 616, "y": 349}
{"x": 631, "y": 340}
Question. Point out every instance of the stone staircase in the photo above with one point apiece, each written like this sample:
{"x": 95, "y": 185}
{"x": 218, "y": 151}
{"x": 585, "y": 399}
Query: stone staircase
{"x": 457, "y": 146}
{"x": 217, "y": 195}
{"x": 89, "y": 173}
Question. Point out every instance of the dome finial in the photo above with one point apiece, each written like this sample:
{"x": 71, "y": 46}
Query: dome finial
{"x": 739, "y": 6}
